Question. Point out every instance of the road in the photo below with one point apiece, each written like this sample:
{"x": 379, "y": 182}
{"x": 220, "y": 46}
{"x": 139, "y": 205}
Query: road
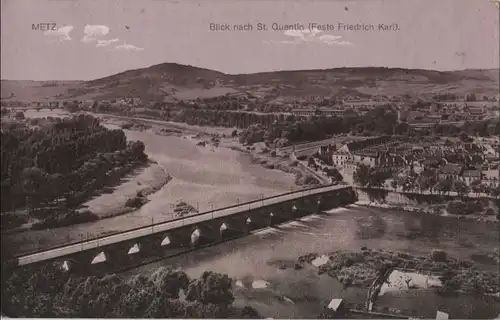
{"x": 166, "y": 226}
{"x": 310, "y": 145}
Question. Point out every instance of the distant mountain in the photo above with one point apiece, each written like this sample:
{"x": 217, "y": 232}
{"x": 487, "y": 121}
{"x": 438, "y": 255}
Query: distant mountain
{"x": 172, "y": 82}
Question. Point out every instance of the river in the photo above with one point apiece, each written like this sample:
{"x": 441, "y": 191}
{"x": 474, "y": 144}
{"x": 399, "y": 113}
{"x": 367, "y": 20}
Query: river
{"x": 205, "y": 177}
{"x": 252, "y": 261}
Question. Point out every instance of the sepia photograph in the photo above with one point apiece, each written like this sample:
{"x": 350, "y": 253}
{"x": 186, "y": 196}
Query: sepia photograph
{"x": 267, "y": 159}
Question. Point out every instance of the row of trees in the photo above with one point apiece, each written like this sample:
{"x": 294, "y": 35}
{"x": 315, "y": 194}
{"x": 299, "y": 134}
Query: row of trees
{"x": 380, "y": 121}
{"x": 262, "y": 127}
{"x": 165, "y": 293}
{"x": 63, "y": 161}
{"x": 427, "y": 180}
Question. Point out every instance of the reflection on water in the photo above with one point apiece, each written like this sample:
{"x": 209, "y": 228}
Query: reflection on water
{"x": 262, "y": 265}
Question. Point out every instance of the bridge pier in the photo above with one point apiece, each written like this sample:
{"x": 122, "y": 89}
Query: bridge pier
{"x": 152, "y": 245}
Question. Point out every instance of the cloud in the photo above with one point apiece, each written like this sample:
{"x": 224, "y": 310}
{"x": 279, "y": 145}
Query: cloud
{"x": 62, "y": 33}
{"x": 311, "y": 36}
{"x": 92, "y": 32}
{"x": 331, "y": 40}
{"x": 128, "y": 47}
{"x": 105, "y": 43}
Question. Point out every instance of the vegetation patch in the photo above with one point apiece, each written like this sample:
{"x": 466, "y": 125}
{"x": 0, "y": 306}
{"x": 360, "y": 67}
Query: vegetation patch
{"x": 182, "y": 208}
{"x": 61, "y": 164}
{"x": 136, "y": 202}
{"x": 165, "y": 293}
{"x": 363, "y": 267}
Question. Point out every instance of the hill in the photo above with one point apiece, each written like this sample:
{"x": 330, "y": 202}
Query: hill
{"x": 173, "y": 82}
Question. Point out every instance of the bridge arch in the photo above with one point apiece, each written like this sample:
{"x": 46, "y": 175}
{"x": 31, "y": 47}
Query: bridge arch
{"x": 68, "y": 265}
{"x": 166, "y": 241}
{"x": 135, "y": 248}
{"x": 100, "y": 258}
{"x": 224, "y": 227}
{"x": 196, "y": 235}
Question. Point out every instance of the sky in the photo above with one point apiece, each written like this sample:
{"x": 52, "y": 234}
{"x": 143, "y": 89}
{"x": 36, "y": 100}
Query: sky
{"x": 92, "y": 39}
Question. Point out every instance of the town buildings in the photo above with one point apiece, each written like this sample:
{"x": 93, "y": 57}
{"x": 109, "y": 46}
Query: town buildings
{"x": 467, "y": 162}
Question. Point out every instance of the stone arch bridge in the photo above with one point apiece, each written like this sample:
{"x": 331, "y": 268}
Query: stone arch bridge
{"x": 146, "y": 244}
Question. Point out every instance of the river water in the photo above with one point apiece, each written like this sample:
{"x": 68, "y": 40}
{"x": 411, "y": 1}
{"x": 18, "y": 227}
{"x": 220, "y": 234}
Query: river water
{"x": 253, "y": 261}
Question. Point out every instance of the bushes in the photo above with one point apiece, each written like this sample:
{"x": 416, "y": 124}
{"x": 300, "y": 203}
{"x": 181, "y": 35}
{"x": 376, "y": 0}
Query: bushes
{"x": 127, "y": 125}
{"x": 438, "y": 255}
{"x": 135, "y": 202}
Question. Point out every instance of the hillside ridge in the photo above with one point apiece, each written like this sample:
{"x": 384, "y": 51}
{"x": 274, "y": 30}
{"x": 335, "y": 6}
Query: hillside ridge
{"x": 174, "y": 82}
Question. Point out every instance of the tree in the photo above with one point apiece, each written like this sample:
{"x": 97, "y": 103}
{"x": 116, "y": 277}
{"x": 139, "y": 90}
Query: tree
{"x": 465, "y": 137}
{"x": 444, "y": 186}
{"x": 377, "y": 178}
{"x": 34, "y": 184}
{"x": 211, "y": 288}
{"x": 362, "y": 175}
{"x": 438, "y": 255}
{"x": 426, "y": 182}
{"x": 408, "y": 280}
{"x": 19, "y": 115}
{"x": 461, "y": 188}
{"x": 137, "y": 148}
{"x": 477, "y": 187}
{"x": 335, "y": 174}
{"x": 394, "y": 184}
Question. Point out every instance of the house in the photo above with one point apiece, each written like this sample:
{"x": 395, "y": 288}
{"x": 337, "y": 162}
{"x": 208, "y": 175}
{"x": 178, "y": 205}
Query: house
{"x": 366, "y": 158}
{"x": 475, "y": 113}
{"x": 326, "y": 151}
{"x": 471, "y": 175}
{"x": 386, "y": 159}
{"x": 451, "y": 171}
{"x": 339, "y": 158}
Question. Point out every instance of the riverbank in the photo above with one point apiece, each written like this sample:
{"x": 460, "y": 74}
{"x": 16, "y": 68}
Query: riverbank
{"x": 478, "y": 209}
{"x": 140, "y": 185}
{"x": 439, "y": 210}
